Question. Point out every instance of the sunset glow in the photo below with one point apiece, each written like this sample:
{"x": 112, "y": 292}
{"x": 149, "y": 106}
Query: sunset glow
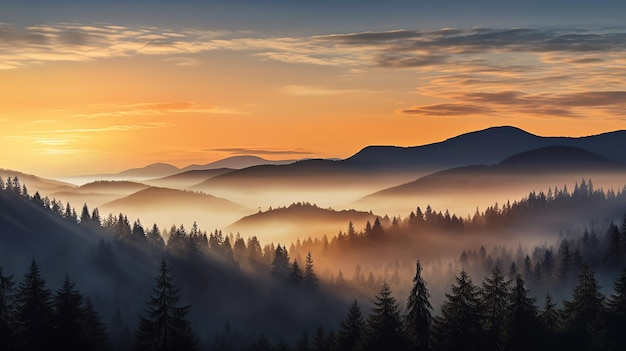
{"x": 81, "y": 94}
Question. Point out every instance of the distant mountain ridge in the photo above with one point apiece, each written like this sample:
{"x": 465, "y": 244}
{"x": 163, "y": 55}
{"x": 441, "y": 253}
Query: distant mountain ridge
{"x": 488, "y": 146}
{"x": 483, "y": 147}
{"x": 522, "y": 167}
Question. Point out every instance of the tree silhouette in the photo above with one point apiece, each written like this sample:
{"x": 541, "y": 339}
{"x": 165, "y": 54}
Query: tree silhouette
{"x": 495, "y": 296}
{"x": 310, "y": 278}
{"x": 384, "y": 326}
{"x": 295, "y": 273}
{"x": 459, "y": 325}
{"x": 583, "y": 314}
{"x": 7, "y": 310}
{"x": 617, "y": 313}
{"x": 280, "y": 263}
{"x": 351, "y": 329}
{"x": 165, "y": 327}
{"x": 418, "y": 319}
{"x": 34, "y": 310}
{"x": 523, "y": 325}
{"x": 67, "y": 317}
{"x": 94, "y": 331}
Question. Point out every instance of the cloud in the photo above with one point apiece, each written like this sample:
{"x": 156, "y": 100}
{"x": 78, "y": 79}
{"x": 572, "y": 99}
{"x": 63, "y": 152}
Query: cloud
{"x": 182, "y": 61}
{"x": 248, "y": 151}
{"x": 159, "y": 108}
{"x": 504, "y": 103}
{"x": 447, "y": 110}
{"x": 114, "y": 128}
{"x": 316, "y": 90}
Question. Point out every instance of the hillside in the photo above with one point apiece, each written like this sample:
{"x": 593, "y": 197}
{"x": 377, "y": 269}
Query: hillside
{"x": 188, "y": 178}
{"x": 303, "y": 220}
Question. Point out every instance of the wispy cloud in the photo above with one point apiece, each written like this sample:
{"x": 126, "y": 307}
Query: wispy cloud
{"x": 258, "y": 151}
{"x": 317, "y": 90}
{"x": 160, "y": 108}
{"x": 113, "y": 128}
{"x": 551, "y": 105}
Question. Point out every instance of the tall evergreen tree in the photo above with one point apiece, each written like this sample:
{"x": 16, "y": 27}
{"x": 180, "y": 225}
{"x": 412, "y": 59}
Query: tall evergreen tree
{"x": 34, "y": 311}
{"x": 94, "y": 331}
{"x": 384, "y": 326}
{"x": 495, "y": 295}
{"x": 524, "y": 327}
{"x": 310, "y": 278}
{"x": 583, "y": 315}
{"x": 460, "y": 324}
{"x": 418, "y": 319}
{"x": 280, "y": 263}
{"x": 351, "y": 329}
{"x": 7, "y": 310}
{"x": 67, "y": 317}
{"x": 551, "y": 322}
{"x": 165, "y": 327}
{"x": 295, "y": 273}
{"x": 617, "y": 313}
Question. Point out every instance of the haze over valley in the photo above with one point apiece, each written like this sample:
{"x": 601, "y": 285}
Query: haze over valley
{"x": 312, "y": 176}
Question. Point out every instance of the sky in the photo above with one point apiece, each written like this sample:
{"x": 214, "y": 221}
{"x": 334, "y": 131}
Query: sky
{"x": 90, "y": 87}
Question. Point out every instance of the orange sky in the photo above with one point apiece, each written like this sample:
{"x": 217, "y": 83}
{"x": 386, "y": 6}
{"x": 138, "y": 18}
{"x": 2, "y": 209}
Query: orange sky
{"x": 97, "y": 98}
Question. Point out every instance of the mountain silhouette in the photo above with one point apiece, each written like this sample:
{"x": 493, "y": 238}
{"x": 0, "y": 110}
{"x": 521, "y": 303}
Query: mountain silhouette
{"x": 237, "y": 162}
{"x": 484, "y": 147}
{"x": 526, "y": 167}
{"x": 310, "y": 220}
{"x": 34, "y": 183}
{"x": 188, "y": 178}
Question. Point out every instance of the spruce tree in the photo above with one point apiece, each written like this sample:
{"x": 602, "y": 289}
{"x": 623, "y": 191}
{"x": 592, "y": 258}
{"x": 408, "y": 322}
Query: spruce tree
{"x": 295, "y": 273}
{"x": 460, "y": 324}
{"x": 384, "y": 326}
{"x": 34, "y": 311}
{"x": 94, "y": 331}
{"x": 418, "y": 319}
{"x": 583, "y": 315}
{"x": 552, "y": 324}
{"x": 310, "y": 278}
{"x": 494, "y": 294}
{"x": 7, "y": 311}
{"x": 165, "y": 327}
{"x": 351, "y": 329}
{"x": 617, "y": 313}
{"x": 523, "y": 324}
{"x": 67, "y": 317}
{"x": 280, "y": 263}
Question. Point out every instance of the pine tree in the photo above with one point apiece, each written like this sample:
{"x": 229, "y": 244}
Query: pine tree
{"x": 67, "y": 316}
{"x": 155, "y": 239}
{"x": 310, "y": 278}
{"x": 495, "y": 294}
{"x": 280, "y": 263}
{"x": 94, "y": 331}
{"x": 459, "y": 326}
{"x": 583, "y": 314}
{"x": 85, "y": 218}
{"x": 418, "y": 319}
{"x": 617, "y": 313}
{"x": 523, "y": 325}
{"x": 551, "y": 323}
{"x": 295, "y": 274}
{"x": 303, "y": 342}
{"x": 165, "y": 327}
{"x": 320, "y": 343}
{"x": 384, "y": 326}
{"x": 7, "y": 310}
{"x": 351, "y": 329}
{"x": 34, "y": 310}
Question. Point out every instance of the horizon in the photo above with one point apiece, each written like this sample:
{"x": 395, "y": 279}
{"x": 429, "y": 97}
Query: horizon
{"x": 92, "y": 88}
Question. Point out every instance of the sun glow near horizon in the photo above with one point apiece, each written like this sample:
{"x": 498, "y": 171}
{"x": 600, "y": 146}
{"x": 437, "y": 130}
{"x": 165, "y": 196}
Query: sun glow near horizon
{"x": 94, "y": 97}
